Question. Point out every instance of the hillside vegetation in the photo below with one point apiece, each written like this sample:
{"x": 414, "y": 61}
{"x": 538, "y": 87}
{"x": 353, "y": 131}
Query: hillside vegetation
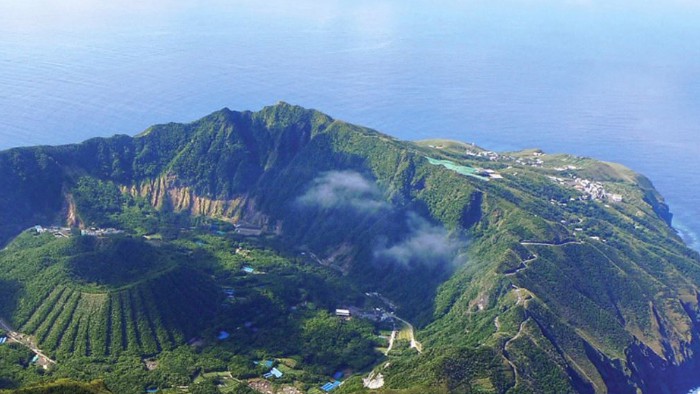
{"x": 521, "y": 271}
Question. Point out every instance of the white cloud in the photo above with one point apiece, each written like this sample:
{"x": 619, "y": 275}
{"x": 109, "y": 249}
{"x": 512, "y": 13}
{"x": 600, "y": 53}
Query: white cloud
{"x": 344, "y": 189}
{"x": 424, "y": 244}
{"x": 421, "y": 244}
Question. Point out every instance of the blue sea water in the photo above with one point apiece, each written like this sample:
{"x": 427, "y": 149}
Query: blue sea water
{"x": 615, "y": 80}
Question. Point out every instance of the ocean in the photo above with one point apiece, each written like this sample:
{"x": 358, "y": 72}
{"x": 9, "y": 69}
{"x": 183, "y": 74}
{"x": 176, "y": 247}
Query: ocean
{"x": 617, "y": 81}
{"x": 614, "y": 80}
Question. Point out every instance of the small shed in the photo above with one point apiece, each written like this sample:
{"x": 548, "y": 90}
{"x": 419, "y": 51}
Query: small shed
{"x": 274, "y": 372}
{"x": 330, "y": 386}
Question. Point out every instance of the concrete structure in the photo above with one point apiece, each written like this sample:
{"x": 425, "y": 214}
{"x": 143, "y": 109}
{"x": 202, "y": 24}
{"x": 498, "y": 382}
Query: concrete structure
{"x": 274, "y": 372}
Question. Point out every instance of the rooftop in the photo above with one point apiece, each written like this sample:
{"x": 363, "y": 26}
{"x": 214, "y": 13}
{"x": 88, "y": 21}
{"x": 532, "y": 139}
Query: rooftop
{"x": 330, "y": 386}
{"x": 223, "y": 335}
{"x": 274, "y": 372}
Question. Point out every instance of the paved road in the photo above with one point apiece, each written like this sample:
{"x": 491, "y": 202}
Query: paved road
{"x": 523, "y": 265}
{"x": 525, "y": 243}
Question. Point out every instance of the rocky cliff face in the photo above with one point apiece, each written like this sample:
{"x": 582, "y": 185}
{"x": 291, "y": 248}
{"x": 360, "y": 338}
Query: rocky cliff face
{"x": 165, "y": 193}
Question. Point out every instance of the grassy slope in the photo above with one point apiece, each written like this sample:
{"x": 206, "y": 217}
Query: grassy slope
{"x": 143, "y": 302}
{"x": 62, "y": 386}
{"x": 578, "y": 316}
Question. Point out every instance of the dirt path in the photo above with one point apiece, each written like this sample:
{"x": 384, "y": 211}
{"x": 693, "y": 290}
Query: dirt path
{"x": 507, "y": 356}
{"x": 25, "y": 340}
{"x": 323, "y": 263}
{"x": 391, "y": 342}
{"x": 523, "y": 300}
{"x": 520, "y": 331}
{"x": 414, "y": 343}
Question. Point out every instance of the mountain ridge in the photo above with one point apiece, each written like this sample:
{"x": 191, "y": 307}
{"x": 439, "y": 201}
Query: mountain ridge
{"x": 543, "y": 272}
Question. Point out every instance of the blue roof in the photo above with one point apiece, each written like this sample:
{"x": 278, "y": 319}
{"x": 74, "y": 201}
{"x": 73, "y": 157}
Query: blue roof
{"x": 330, "y": 386}
{"x": 267, "y": 363}
{"x": 273, "y": 372}
{"x": 249, "y": 270}
{"x": 35, "y": 359}
{"x": 338, "y": 375}
{"x": 223, "y": 335}
{"x": 3, "y": 340}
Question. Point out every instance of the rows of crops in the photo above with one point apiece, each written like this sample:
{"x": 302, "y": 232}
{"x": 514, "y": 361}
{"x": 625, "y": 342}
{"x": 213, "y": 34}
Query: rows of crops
{"x": 144, "y": 319}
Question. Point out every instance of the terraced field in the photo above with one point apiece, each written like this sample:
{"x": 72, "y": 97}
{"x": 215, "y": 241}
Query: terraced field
{"x": 154, "y": 313}
{"x": 145, "y": 319}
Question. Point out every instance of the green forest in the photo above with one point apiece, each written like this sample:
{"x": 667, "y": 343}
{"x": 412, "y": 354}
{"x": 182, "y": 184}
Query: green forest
{"x": 200, "y": 257}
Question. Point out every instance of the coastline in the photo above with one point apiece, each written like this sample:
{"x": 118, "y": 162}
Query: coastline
{"x": 691, "y": 238}
{"x": 693, "y": 241}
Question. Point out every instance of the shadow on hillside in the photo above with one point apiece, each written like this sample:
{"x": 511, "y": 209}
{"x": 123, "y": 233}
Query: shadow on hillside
{"x": 9, "y": 296}
{"x": 8, "y": 384}
{"x": 331, "y": 204}
{"x": 118, "y": 261}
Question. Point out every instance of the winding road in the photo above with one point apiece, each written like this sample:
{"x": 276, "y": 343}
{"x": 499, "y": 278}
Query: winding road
{"x": 523, "y": 300}
{"x": 525, "y": 263}
{"x": 507, "y": 356}
{"x": 25, "y": 340}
